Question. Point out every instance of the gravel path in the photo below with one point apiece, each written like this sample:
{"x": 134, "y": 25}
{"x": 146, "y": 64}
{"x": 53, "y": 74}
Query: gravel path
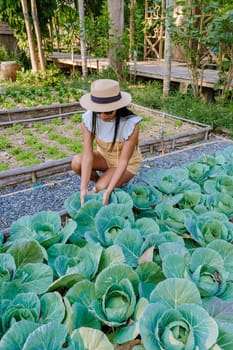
{"x": 51, "y": 193}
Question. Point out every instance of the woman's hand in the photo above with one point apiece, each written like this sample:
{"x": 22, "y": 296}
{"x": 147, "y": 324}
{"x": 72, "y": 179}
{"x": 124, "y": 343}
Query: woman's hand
{"x": 106, "y": 197}
{"x": 82, "y": 196}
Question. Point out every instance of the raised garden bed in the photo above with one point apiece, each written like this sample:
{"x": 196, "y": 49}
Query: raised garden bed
{"x": 9, "y": 117}
{"x": 160, "y": 132}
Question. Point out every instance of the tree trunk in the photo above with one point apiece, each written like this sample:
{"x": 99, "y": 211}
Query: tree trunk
{"x": 31, "y": 43}
{"x": 167, "y": 54}
{"x": 82, "y": 38}
{"x": 131, "y": 30}
{"x": 116, "y": 18}
{"x": 38, "y": 34}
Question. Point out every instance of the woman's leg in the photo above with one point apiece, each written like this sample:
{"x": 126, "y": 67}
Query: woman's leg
{"x": 104, "y": 180}
{"x": 99, "y": 163}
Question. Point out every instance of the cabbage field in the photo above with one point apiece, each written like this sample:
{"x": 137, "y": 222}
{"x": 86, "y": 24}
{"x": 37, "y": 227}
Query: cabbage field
{"x": 151, "y": 270}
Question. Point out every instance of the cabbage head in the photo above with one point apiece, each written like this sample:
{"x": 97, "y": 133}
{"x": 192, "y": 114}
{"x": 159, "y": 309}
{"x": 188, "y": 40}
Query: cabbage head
{"x": 221, "y": 202}
{"x": 69, "y": 259}
{"x": 222, "y": 183}
{"x": 144, "y": 197}
{"x": 45, "y": 227}
{"x": 192, "y": 200}
{"x": 116, "y": 290}
{"x": 205, "y": 267}
{"x": 28, "y": 306}
{"x": 207, "y": 272}
{"x": 166, "y": 180}
{"x": 212, "y": 164}
{"x": 175, "y": 318}
{"x": 109, "y": 221}
{"x": 170, "y": 218}
{"x": 225, "y": 249}
{"x": 198, "y": 172}
{"x": 209, "y": 226}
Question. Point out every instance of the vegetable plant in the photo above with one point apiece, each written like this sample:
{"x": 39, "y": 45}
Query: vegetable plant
{"x": 151, "y": 270}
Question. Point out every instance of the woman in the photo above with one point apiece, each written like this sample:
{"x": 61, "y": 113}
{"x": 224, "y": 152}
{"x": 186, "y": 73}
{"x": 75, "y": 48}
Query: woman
{"x": 115, "y": 130}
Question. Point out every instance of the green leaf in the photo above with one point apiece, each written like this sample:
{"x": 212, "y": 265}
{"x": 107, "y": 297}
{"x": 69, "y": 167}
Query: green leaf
{"x": 16, "y": 336}
{"x": 85, "y": 217}
{"x": 45, "y": 337}
{"x": 82, "y": 292}
{"x": 174, "y": 292}
{"x": 7, "y": 267}
{"x": 84, "y": 317}
{"x": 111, "y": 255}
{"x": 34, "y": 278}
{"x": 68, "y": 230}
{"x": 147, "y": 226}
{"x": 91, "y": 339}
{"x": 25, "y": 251}
{"x": 52, "y": 307}
{"x": 65, "y": 282}
{"x": 130, "y": 240}
{"x": 22, "y": 228}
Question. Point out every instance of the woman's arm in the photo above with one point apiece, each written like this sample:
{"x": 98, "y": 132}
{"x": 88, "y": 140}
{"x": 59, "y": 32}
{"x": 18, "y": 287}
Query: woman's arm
{"x": 127, "y": 151}
{"x": 87, "y": 161}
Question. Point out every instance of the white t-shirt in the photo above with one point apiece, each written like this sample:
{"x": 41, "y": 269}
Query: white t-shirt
{"x": 105, "y": 130}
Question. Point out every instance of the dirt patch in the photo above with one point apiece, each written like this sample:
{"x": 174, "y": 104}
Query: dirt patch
{"x": 39, "y": 142}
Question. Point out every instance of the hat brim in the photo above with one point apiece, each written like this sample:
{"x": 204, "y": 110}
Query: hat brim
{"x": 87, "y": 103}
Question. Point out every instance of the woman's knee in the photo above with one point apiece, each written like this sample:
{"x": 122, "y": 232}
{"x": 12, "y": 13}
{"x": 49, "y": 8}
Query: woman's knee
{"x": 76, "y": 163}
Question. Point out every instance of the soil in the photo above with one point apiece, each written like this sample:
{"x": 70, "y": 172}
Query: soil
{"x": 151, "y": 128}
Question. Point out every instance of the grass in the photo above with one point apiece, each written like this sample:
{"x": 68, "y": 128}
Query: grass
{"x": 217, "y": 114}
{"x": 4, "y": 142}
{"x": 4, "y": 167}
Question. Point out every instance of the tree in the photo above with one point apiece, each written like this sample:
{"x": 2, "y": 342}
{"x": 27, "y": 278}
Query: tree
{"x": 167, "y": 52}
{"x": 19, "y": 16}
{"x": 31, "y": 42}
{"x": 221, "y": 40}
{"x": 116, "y": 30}
{"x": 131, "y": 29}
{"x": 82, "y": 38}
{"x": 38, "y": 34}
{"x": 192, "y": 35}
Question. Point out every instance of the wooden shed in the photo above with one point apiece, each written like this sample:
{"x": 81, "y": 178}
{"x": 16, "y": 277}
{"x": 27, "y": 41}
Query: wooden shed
{"x": 7, "y": 37}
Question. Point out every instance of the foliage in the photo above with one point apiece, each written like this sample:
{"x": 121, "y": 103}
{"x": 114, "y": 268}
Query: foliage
{"x": 221, "y": 34}
{"x": 216, "y": 114}
{"x": 66, "y": 30}
{"x": 97, "y": 28}
{"x": 5, "y": 55}
{"x": 175, "y": 318}
{"x": 147, "y": 268}
{"x": 205, "y": 30}
{"x": 11, "y": 12}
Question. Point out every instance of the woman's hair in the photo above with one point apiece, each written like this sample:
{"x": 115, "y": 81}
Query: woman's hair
{"x": 120, "y": 113}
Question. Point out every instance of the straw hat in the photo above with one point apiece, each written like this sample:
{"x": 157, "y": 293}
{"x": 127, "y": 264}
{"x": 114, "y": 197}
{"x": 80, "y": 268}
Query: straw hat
{"x": 105, "y": 96}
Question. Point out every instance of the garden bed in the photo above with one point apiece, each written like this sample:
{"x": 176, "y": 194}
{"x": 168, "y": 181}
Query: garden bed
{"x": 41, "y": 141}
{"x": 137, "y": 261}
